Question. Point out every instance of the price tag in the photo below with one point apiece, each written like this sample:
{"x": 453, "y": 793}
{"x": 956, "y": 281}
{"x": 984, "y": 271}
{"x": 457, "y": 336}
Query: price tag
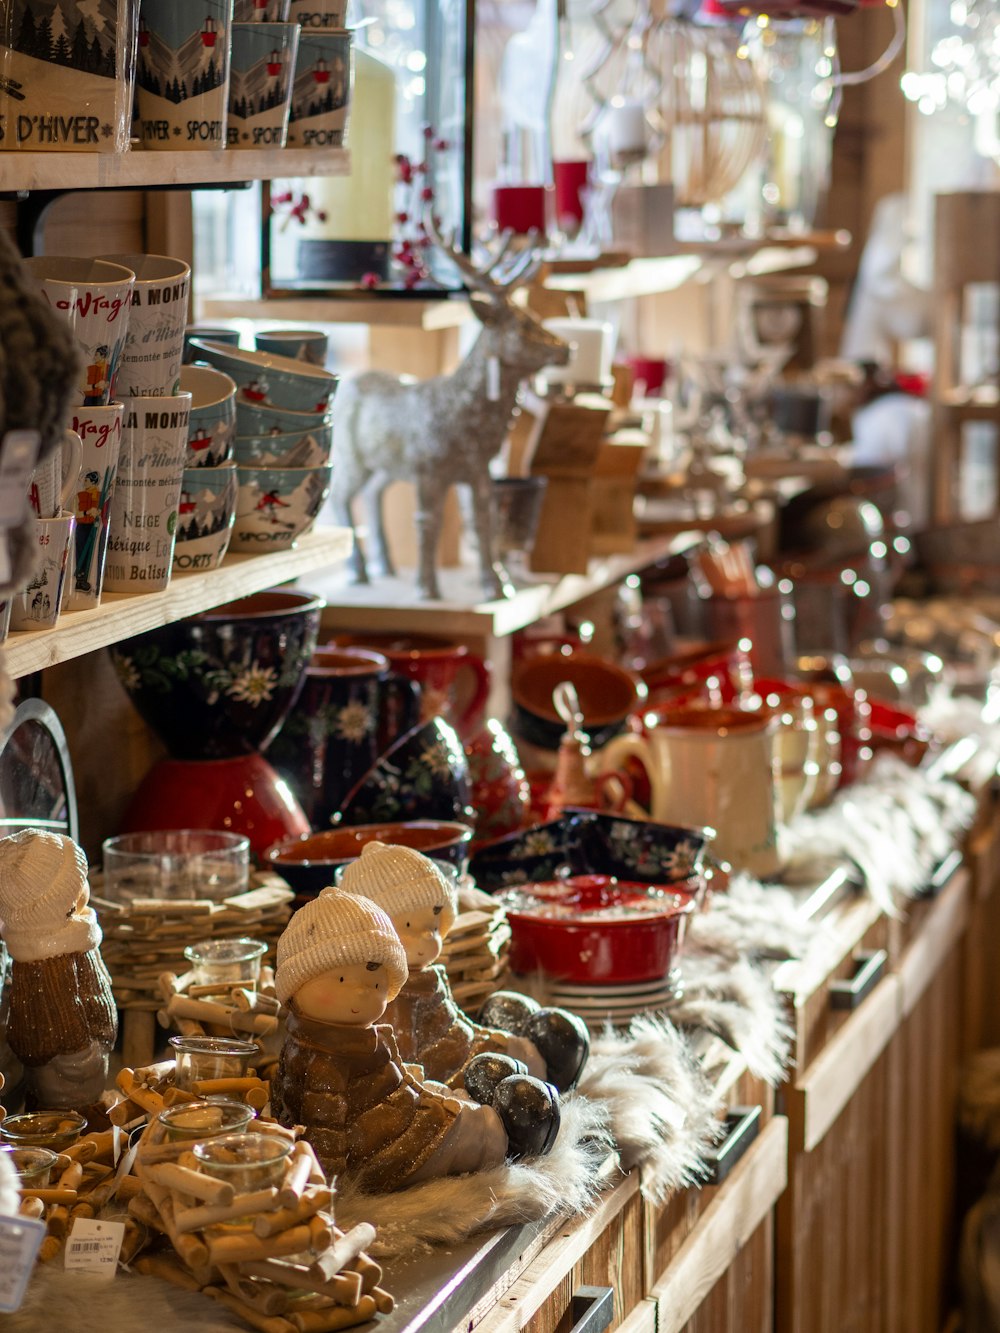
{"x": 20, "y": 1239}
{"x": 93, "y": 1247}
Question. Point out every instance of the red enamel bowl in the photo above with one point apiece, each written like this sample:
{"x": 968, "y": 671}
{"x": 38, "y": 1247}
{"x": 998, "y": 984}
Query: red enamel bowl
{"x": 593, "y": 928}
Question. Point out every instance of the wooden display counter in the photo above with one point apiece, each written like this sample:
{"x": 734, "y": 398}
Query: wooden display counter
{"x": 837, "y": 1215}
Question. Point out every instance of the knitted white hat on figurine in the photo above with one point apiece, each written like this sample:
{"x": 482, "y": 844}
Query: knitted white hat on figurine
{"x": 337, "y": 928}
{"x": 42, "y": 876}
{"x": 401, "y": 879}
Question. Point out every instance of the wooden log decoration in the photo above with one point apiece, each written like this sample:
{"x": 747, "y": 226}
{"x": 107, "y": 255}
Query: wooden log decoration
{"x": 195, "y": 1183}
{"x": 211, "y": 1214}
{"x": 235, "y": 1248}
{"x": 313, "y": 1201}
{"x": 344, "y": 1288}
{"x": 202, "y": 1011}
{"x": 263, "y": 1323}
{"x": 337, "y": 1317}
{"x": 169, "y": 1268}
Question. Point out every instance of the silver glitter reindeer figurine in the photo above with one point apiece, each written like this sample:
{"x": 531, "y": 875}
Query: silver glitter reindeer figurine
{"x": 443, "y": 431}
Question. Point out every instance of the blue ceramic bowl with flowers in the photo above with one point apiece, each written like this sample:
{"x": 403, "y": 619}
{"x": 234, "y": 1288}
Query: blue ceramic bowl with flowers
{"x": 220, "y": 684}
{"x": 589, "y": 842}
{"x": 423, "y": 775}
{"x": 274, "y": 381}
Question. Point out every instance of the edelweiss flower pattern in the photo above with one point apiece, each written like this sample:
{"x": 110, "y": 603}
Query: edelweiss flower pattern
{"x": 354, "y": 722}
{"x": 254, "y": 685}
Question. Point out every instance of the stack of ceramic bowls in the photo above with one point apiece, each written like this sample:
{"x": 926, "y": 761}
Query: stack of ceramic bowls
{"x": 207, "y": 508}
{"x": 282, "y": 446}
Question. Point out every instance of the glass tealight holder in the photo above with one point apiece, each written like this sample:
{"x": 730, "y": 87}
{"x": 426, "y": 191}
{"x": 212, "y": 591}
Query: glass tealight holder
{"x": 33, "y": 1166}
{"x": 206, "y": 1119}
{"x": 220, "y": 961}
{"x": 55, "y": 1130}
{"x": 198, "y": 1059}
{"x": 249, "y": 1162}
{"x": 176, "y": 863}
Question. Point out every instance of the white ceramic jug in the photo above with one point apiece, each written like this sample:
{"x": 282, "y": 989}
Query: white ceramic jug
{"x": 715, "y": 767}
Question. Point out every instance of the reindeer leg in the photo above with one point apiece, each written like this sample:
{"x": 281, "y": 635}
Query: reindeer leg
{"x": 482, "y": 509}
{"x": 379, "y": 487}
{"x": 430, "y": 515}
{"x": 340, "y": 508}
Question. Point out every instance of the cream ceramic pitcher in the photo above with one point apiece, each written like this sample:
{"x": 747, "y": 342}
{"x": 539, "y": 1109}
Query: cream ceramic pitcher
{"x": 715, "y": 767}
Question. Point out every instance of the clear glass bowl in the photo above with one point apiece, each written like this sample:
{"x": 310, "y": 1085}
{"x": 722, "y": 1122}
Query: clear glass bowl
{"x": 55, "y": 1130}
{"x": 33, "y": 1166}
{"x": 176, "y": 863}
{"x": 201, "y": 1058}
{"x": 205, "y": 1119}
{"x": 220, "y": 961}
{"x": 249, "y": 1162}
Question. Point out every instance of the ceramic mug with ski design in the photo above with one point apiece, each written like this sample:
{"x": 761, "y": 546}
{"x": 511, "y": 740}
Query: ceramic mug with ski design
{"x": 182, "y": 73}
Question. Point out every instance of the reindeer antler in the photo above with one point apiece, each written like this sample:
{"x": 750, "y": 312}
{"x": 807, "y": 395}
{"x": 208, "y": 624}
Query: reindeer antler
{"x": 485, "y": 278}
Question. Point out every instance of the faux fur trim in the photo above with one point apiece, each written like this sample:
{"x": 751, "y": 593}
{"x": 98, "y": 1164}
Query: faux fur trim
{"x": 58, "y": 1300}
{"x": 661, "y": 1105}
{"x": 896, "y": 827}
{"x": 450, "y": 1210}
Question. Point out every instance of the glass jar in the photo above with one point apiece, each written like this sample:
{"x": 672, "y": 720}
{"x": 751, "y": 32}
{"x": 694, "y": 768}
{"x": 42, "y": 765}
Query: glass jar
{"x": 176, "y": 863}
{"x": 201, "y": 1058}
{"x": 220, "y": 961}
{"x": 205, "y": 1119}
{"x": 55, "y": 1130}
{"x": 249, "y": 1162}
{"x": 33, "y": 1166}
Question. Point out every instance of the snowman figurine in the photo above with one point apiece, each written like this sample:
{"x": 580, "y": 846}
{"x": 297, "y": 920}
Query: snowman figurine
{"x": 430, "y": 1028}
{"x": 370, "y": 1117}
{"x": 62, "y": 1021}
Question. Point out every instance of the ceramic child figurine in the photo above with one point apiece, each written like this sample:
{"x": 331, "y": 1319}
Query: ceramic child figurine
{"x": 429, "y": 1026}
{"x": 62, "y": 1021}
{"x": 340, "y": 1074}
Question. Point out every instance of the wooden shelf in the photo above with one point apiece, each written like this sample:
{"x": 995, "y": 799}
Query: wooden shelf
{"x": 981, "y": 403}
{"x": 141, "y": 170}
{"x": 121, "y": 615}
{"x": 383, "y": 310}
{"x": 394, "y": 604}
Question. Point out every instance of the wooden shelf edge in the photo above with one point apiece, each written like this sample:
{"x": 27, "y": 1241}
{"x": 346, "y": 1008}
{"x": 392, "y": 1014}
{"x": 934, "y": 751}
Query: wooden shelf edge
{"x": 424, "y": 316}
{"x": 139, "y": 169}
{"x": 393, "y": 603}
{"x": 740, "y": 1205}
{"x": 120, "y": 616}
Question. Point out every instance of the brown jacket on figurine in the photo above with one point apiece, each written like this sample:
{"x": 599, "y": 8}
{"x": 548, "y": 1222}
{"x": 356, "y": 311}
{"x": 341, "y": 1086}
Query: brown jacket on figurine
{"x": 431, "y": 1030}
{"x": 340, "y": 1074}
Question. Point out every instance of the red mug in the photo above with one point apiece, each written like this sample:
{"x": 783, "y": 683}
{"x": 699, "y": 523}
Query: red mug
{"x": 437, "y": 666}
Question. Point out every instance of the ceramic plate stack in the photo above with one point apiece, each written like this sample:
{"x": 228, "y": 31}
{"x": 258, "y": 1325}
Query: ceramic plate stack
{"x": 617, "y": 1005}
{"x": 283, "y": 441}
{"x": 476, "y": 950}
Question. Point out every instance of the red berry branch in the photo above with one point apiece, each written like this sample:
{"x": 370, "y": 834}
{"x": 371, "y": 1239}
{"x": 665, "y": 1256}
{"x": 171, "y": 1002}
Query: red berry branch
{"x": 414, "y": 195}
{"x": 291, "y": 209}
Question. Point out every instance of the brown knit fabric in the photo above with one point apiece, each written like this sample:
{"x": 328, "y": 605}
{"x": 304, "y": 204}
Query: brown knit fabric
{"x": 432, "y": 1031}
{"x": 364, "y": 1114}
{"x": 60, "y": 1005}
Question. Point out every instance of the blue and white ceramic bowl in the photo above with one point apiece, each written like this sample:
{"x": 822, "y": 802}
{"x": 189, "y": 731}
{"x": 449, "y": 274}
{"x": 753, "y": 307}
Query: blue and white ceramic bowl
{"x": 205, "y": 517}
{"x": 277, "y": 505}
{"x": 212, "y": 426}
{"x": 274, "y": 381}
{"x": 311, "y": 449}
{"x": 259, "y": 419}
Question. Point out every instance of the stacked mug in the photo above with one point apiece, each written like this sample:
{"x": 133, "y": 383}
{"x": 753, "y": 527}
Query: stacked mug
{"x": 106, "y": 500}
{"x": 242, "y": 74}
{"x": 283, "y": 432}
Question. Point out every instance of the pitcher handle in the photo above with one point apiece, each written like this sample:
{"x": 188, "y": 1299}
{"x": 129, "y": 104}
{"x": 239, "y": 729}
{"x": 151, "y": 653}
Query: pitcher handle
{"x": 625, "y": 747}
{"x": 469, "y": 719}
